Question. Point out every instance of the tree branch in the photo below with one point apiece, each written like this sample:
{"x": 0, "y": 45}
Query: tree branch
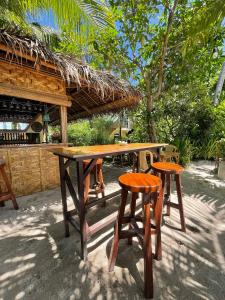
{"x": 164, "y": 48}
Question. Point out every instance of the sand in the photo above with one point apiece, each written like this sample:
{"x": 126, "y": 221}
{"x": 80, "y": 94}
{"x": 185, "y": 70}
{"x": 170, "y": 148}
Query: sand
{"x": 38, "y": 262}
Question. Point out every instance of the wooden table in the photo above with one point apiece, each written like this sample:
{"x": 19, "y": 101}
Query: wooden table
{"x": 66, "y": 156}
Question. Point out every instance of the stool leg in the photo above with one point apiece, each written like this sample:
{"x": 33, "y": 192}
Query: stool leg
{"x": 101, "y": 182}
{"x": 158, "y": 220}
{"x": 117, "y": 229}
{"x": 9, "y": 189}
{"x": 147, "y": 247}
{"x": 168, "y": 192}
{"x": 132, "y": 213}
{"x": 87, "y": 182}
{"x": 180, "y": 202}
{"x": 15, "y": 205}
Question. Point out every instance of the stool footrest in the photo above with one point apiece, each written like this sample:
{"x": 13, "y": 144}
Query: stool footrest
{"x": 128, "y": 219}
{"x": 5, "y": 196}
{"x": 172, "y": 204}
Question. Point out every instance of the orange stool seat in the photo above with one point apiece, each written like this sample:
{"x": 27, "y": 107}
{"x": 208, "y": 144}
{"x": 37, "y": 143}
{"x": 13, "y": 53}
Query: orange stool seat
{"x": 8, "y": 195}
{"x": 152, "y": 193}
{"x": 140, "y": 182}
{"x": 166, "y": 170}
{"x": 97, "y": 173}
{"x": 167, "y": 167}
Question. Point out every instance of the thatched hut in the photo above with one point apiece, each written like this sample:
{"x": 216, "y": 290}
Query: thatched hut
{"x": 35, "y": 81}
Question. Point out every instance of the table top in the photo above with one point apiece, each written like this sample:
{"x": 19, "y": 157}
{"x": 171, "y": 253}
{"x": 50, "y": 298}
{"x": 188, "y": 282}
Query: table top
{"x": 88, "y": 152}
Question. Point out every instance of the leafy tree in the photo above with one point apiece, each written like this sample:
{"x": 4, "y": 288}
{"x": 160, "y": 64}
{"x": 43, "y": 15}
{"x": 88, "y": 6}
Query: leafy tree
{"x": 152, "y": 49}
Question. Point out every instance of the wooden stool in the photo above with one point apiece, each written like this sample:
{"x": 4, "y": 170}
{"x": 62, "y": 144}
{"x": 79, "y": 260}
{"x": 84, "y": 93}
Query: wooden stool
{"x": 8, "y": 195}
{"x": 150, "y": 187}
{"x": 168, "y": 169}
{"x": 99, "y": 186}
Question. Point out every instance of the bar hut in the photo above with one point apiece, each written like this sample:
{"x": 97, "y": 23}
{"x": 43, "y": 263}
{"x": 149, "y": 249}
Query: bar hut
{"x": 39, "y": 87}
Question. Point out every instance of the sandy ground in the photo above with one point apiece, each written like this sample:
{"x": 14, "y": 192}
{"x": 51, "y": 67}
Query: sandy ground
{"x": 37, "y": 262}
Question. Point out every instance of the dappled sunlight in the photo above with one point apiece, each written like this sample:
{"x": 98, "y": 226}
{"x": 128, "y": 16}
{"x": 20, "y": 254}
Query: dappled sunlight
{"x": 37, "y": 262}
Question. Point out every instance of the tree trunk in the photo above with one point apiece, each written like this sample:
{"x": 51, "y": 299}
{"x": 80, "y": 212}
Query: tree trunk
{"x": 151, "y": 98}
{"x": 151, "y": 123}
{"x": 219, "y": 85}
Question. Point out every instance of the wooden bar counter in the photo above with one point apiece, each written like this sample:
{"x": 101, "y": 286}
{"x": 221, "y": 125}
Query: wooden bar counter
{"x": 30, "y": 168}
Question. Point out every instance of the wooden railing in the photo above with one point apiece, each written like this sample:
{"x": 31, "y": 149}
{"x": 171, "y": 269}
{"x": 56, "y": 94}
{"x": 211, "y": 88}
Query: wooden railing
{"x": 13, "y": 137}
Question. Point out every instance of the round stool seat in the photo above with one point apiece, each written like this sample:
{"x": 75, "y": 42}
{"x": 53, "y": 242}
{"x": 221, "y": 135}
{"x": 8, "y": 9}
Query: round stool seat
{"x": 167, "y": 167}
{"x": 140, "y": 182}
{"x": 98, "y": 162}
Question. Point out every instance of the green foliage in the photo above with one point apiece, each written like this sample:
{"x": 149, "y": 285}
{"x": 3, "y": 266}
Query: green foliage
{"x": 80, "y": 133}
{"x": 220, "y": 149}
{"x": 78, "y": 20}
{"x": 185, "y": 148}
{"x": 101, "y": 129}
{"x": 205, "y": 148}
{"x": 139, "y": 124}
{"x": 90, "y": 132}
{"x": 184, "y": 111}
{"x": 184, "y": 106}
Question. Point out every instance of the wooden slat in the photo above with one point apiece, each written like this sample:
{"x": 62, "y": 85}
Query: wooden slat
{"x": 30, "y": 94}
{"x": 116, "y": 104}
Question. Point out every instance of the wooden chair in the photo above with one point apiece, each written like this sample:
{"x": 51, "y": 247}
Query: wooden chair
{"x": 152, "y": 197}
{"x": 145, "y": 160}
{"x": 97, "y": 174}
{"x": 8, "y": 195}
{"x": 167, "y": 170}
{"x": 170, "y": 153}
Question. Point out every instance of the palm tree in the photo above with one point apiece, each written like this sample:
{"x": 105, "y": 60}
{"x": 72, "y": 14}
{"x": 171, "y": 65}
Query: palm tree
{"x": 207, "y": 15}
{"x": 77, "y": 18}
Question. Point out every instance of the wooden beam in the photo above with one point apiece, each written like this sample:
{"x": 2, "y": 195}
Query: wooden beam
{"x": 63, "y": 119}
{"x": 116, "y": 104}
{"x": 30, "y": 94}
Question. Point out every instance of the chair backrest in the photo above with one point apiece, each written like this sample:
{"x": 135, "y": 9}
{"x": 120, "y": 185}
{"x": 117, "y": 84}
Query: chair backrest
{"x": 170, "y": 153}
{"x": 144, "y": 156}
{"x": 171, "y": 148}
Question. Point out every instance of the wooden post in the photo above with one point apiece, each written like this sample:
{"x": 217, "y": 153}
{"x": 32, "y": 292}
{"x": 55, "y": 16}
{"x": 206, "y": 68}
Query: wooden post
{"x": 63, "y": 119}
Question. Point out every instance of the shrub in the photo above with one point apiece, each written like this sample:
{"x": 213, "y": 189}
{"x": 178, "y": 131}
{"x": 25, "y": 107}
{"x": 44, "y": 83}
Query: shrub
{"x": 80, "y": 133}
{"x": 102, "y": 128}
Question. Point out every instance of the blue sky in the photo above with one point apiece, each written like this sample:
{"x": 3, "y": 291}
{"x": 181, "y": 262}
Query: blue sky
{"x": 45, "y": 19}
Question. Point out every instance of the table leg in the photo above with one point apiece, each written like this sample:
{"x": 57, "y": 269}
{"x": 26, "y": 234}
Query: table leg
{"x": 136, "y": 165}
{"x": 63, "y": 193}
{"x": 138, "y": 162}
{"x": 83, "y": 223}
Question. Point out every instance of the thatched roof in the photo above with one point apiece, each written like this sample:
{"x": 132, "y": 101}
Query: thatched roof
{"x": 91, "y": 91}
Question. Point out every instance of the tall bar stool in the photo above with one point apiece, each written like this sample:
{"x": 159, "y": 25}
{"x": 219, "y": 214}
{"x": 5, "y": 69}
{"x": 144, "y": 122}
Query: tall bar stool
{"x": 168, "y": 169}
{"x": 8, "y": 195}
{"x": 97, "y": 174}
{"x": 152, "y": 197}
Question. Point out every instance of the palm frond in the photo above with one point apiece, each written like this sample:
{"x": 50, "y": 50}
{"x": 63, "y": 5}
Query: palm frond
{"x": 205, "y": 19}
{"x": 79, "y": 17}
